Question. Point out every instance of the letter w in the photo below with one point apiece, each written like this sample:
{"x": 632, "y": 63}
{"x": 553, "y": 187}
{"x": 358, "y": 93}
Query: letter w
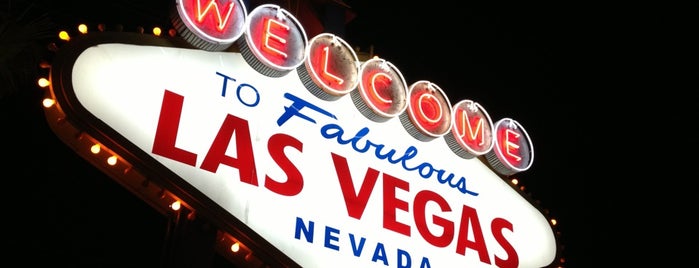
{"x": 213, "y": 5}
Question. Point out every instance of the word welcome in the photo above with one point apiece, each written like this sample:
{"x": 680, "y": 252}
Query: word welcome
{"x": 274, "y": 43}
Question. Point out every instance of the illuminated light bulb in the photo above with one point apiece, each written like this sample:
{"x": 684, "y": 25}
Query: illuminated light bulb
{"x": 64, "y": 35}
{"x": 521, "y": 187}
{"x": 82, "y": 28}
{"x": 43, "y": 82}
{"x": 95, "y": 149}
{"x": 48, "y": 102}
{"x": 554, "y": 222}
{"x": 515, "y": 181}
{"x": 235, "y": 247}
{"x": 157, "y": 31}
{"x": 112, "y": 160}
{"x": 172, "y": 32}
{"x": 175, "y": 205}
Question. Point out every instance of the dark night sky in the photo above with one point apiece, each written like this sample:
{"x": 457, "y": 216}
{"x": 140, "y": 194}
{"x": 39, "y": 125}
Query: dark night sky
{"x": 515, "y": 59}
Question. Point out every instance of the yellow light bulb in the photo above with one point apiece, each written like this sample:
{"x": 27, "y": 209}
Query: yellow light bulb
{"x": 95, "y": 149}
{"x": 43, "y": 82}
{"x": 48, "y": 102}
{"x": 82, "y": 28}
{"x": 64, "y": 36}
{"x": 175, "y": 205}
{"x": 112, "y": 160}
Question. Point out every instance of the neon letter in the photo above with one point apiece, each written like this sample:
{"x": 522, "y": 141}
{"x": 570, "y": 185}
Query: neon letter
{"x": 213, "y": 5}
{"x": 269, "y": 25}
{"x": 326, "y": 73}
{"x": 376, "y": 78}
{"x": 466, "y": 124}
{"x": 512, "y": 146}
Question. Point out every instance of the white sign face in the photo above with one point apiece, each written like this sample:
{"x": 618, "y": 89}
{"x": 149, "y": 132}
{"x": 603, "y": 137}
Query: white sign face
{"x": 314, "y": 177}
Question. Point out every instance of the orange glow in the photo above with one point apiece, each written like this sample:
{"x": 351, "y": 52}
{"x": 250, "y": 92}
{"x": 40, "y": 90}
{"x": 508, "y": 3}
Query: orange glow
{"x": 82, "y": 28}
{"x": 112, "y": 160}
{"x": 429, "y": 109}
{"x": 44, "y": 64}
{"x": 43, "y": 82}
{"x": 48, "y": 102}
{"x": 63, "y": 35}
{"x": 554, "y": 222}
{"x": 95, "y": 149}
{"x": 157, "y": 31}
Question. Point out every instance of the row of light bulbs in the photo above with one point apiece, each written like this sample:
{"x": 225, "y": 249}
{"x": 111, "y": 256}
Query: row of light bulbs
{"x": 112, "y": 159}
